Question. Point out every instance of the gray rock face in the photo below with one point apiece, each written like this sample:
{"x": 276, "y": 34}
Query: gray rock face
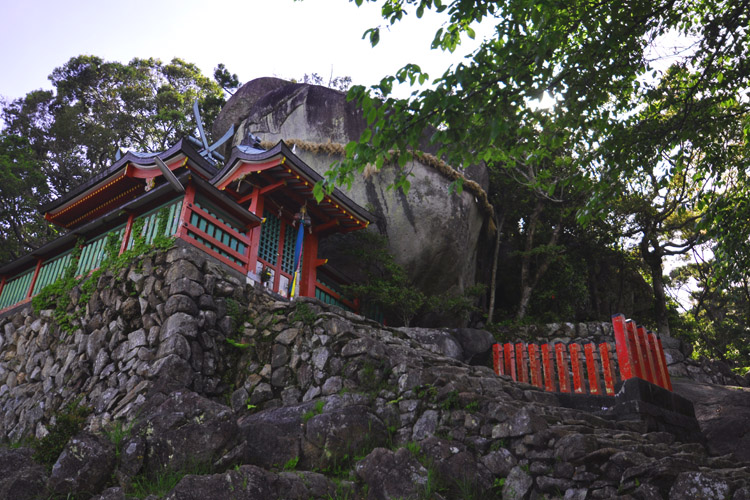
{"x": 723, "y": 414}
{"x": 21, "y": 478}
{"x": 84, "y": 466}
{"x": 432, "y": 233}
{"x": 186, "y": 429}
{"x": 393, "y": 475}
{"x": 397, "y": 408}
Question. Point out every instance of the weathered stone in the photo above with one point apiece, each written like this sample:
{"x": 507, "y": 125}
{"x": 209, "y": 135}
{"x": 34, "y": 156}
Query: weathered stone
{"x": 274, "y": 436}
{"x": 521, "y": 423}
{"x": 699, "y": 485}
{"x": 183, "y": 269}
{"x": 426, "y": 425}
{"x": 175, "y": 344}
{"x": 391, "y": 474}
{"x": 261, "y": 393}
{"x": 320, "y": 357}
{"x": 185, "y": 286}
{"x": 180, "y": 303}
{"x": 574, "y": 446}
{"x": 173, "y": 371}
{"x": 281, "y": 377}
{"x": 287, "y": 336}
{"x": 179, "y": 323}
{"x": 342, "y": 432}
{"x": 517, "y": 484}
{"x": 114, "y": 493}
{"x": 332, "y": 386}
{"x": 499, "y": 462}
{"x": 20, "y": 477}
{"x": 186, "y": 429}
{"x": 279, "y": 356}
{"x": 85, "y": 465}
{"x": 363, "y": 345}
{"x": 130, "y": 309}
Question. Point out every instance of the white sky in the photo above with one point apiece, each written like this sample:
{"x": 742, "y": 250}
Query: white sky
{"x": 253, "y": 38}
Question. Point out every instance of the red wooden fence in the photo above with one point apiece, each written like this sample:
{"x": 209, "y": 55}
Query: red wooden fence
{"x": 639, "y": 354}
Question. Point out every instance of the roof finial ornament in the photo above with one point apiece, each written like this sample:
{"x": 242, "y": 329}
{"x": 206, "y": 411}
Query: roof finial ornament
{"x": 208, "y": 152}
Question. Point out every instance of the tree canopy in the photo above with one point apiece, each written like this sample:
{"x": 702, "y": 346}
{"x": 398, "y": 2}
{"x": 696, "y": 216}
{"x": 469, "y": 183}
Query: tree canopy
{"x": 54, "y": 140}
{"x": 650, "y": 106}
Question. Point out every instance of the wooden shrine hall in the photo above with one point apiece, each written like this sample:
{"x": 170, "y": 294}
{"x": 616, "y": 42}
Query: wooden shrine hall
{"x": 256, "y": 214}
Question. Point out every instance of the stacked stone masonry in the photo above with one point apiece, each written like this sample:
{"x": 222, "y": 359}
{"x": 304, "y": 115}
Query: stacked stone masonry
{"x": 302, "y": 400}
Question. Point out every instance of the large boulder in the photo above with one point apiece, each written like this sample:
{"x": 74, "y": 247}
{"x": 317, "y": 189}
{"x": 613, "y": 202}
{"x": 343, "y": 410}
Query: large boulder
{"x": 20, "y": 477}
{"x": 84, "y": 466}
{"x": 432, "y": 232}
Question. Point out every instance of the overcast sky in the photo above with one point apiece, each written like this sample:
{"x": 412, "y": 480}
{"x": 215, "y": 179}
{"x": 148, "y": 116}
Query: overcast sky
{"x": 253, "y": 38}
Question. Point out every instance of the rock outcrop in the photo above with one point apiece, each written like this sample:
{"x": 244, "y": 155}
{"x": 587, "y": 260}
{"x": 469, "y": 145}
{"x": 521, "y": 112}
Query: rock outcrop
{"x": 235, "y": 394}
{"x": 432, "y": 232}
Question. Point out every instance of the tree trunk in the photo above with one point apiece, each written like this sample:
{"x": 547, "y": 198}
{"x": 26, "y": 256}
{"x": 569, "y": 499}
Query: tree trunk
{"x": 493, "y": 275}
{"x": 653, "y": 259}
{"x": 528, "y": 286}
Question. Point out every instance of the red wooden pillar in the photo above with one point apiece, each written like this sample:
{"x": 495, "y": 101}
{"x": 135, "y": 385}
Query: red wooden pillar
{"x": 33, "y": 278}
{"x": 128, "y": 231}
{"x": 609, "y": 383}
{"x": 667, "y": 379}
{"x": 635, "y": 349}
{"x": 549, "y": 376}
{"x": 648, "y": 358}
{"x": 523, "y": 373}
{"x": 279, "y": 256}
{"x": 309, "y": 270}
{"x": 256, "y": 207}
{"x": 510, "y": 361}
{"x": 659, "y": 369}
{"x": 591, "y": 369}
{"x": 2, "y": 284}
{"x": 187, "y": 208}
{"x": 575, "y": 364}
{"x": 535, "y": 368}
{"x": 562, "y": 368}
{"x": 497, "y": 355}
{"x": 624, "y": 357}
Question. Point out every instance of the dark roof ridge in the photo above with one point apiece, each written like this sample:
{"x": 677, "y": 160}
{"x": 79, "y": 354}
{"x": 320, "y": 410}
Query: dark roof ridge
{"x": 181, "y": 146}
{"x": 282, "y": 148}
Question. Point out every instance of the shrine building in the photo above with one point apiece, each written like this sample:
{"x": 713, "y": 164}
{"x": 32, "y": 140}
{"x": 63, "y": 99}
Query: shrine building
{"x": 250, "y": 214}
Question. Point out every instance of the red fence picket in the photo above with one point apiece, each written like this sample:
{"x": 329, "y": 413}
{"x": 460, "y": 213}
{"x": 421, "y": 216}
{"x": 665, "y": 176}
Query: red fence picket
{"x": 549, "y": 374}
{"x": 639, "y": 354}
{"x": 609, "y": 379}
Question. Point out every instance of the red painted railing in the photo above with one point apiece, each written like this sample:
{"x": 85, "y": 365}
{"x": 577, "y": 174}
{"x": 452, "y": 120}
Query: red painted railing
{"x": 639, "y": 354}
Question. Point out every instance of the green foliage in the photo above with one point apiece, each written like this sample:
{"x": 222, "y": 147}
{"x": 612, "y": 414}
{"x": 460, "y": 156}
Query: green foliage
{"x": 386, "y": 286}
{"x": 291, "y": 464}
{"x": 451, "y": 401}
{"x": 68, "y": 422}
{"x": 117, "y": 432}
{"x": 163, "y": 482}
{"x": 717, "y": 325}
{"x": 303, "y": 313}
{"x": 316, "y": 410}
{"x": 96, "y": 105}
{"x": 226, "y": 80}
{"x": 472, "y": 406}
{"x": 56, "y": 295}
{"x": 426, "y": 392}
{"x": 650, "y": 127}
{"x": 22, "y": 190}
{"x": 414, "y": 448}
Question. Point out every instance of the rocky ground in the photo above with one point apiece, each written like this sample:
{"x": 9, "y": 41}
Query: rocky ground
{"x": 312, "y": 402}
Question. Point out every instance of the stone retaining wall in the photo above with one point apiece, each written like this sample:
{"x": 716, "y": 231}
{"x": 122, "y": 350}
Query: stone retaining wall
{"x": 357, "y": 410}
{"x": 163, "y": 317}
